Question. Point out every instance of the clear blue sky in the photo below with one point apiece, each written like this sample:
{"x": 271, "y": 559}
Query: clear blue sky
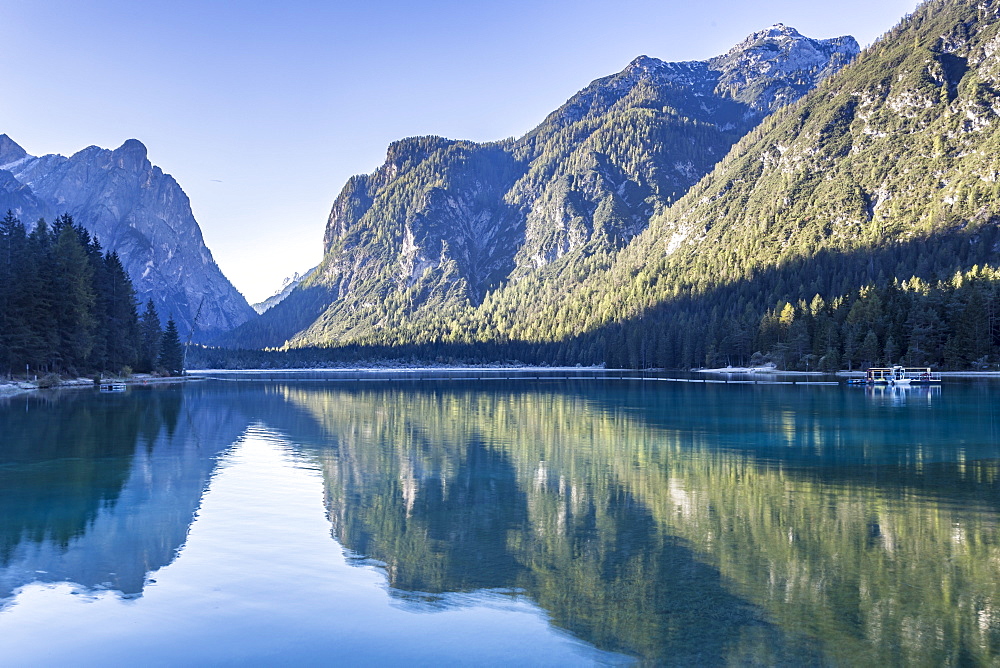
{"x": 262, "y": 110}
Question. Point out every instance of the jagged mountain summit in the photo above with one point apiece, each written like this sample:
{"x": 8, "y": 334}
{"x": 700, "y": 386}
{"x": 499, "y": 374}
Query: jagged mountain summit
{"x": 445, "y": 223}
{"x": 630, "y": 144}
{"x": 140, "y": 212}
{"x": 766, "y": 69}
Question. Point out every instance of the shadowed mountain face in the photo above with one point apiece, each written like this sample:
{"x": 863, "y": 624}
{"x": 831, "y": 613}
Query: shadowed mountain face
{"x": 137, "y": 210}
{"x": 443, "y": 223}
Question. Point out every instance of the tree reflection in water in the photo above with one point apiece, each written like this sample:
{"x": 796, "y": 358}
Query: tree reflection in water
{"x": 676, "y": 523}
{"x": 688, "y": 524}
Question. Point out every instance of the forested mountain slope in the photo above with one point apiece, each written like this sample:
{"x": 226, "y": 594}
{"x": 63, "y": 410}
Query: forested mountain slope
{"x": 858, "y": 226}
{"x": 444, "y": 223}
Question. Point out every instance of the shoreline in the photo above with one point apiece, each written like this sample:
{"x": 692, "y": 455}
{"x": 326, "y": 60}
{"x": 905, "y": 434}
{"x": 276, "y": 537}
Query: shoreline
{"x": 424, "y": 367}
{"x": 843, "y": 373}
{"x": 761, "y": 370}
{"x": 10, "y": 389}
{"x": 16, "y": 388}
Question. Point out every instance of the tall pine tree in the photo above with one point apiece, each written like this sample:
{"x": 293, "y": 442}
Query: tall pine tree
{"x": 121, "y": 340}
{"x": 171, "y": 350}
{"x": 150, "y": 335}
{"x": 73, "y": 297}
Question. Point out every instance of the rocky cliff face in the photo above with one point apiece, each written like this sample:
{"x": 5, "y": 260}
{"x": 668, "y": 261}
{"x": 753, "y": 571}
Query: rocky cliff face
{"x": 444, "y": 223}
{"x": 140, "y": 212}
{"x": 776, "y": 66}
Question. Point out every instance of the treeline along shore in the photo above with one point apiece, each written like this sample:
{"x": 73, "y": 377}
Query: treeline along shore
{"x": 948, "y": 324}
{"x": 67, "y": 307}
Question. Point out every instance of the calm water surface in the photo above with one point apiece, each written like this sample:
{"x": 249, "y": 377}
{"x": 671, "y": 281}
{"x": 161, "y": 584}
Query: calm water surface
{"x": 542, "y": 523}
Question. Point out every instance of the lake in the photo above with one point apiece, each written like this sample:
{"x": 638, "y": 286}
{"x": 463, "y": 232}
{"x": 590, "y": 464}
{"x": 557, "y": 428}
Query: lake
{"x": 543, "y": 522}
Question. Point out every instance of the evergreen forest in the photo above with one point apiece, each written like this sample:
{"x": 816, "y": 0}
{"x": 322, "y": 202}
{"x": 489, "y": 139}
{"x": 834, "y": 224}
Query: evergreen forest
{"x": 67, "y": 307}
{"x": 950, "y": 323}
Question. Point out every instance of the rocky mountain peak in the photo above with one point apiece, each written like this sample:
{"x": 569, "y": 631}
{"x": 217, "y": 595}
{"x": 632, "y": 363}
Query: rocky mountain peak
{"x": 644, "y": 64}
{"x": 286, "y": 288}
{"x": 783, "y": 49}
{"x": 776, "y": 65}
{"x": 130, "y": 156}
{"x": 10, "y": 151}
{"x": 767, "y": 70}
{"x": 777, "y": 32}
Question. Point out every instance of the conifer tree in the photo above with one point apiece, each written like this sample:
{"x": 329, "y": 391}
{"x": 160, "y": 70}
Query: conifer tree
{"x": 38, "y": 339}
{"x": 150, "y": 335}
{"x": 9, "y": 236}
{"x": 100, "y": 278}
{"x": 122, "y": 321}
{"x": 71, "y": 280}
{"x": 171, "y": 350}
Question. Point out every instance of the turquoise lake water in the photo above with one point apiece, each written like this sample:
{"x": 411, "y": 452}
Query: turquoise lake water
{"x": 570, "y": 522}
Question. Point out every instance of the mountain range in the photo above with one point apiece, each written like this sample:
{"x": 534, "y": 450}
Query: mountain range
{"x": 858, "y": 226}
{"x": 785, "y": 202}
{"x": 287, "y": 285}
{"x": 134, "y": 208}
{"x": 793, "y": 200}
{"x": 444, "y": 224}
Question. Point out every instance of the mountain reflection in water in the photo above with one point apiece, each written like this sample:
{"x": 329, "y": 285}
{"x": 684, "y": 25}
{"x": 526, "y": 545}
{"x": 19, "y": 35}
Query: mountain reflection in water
{"x": 100, "y": 492}
{"x": 669, "y": 522}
